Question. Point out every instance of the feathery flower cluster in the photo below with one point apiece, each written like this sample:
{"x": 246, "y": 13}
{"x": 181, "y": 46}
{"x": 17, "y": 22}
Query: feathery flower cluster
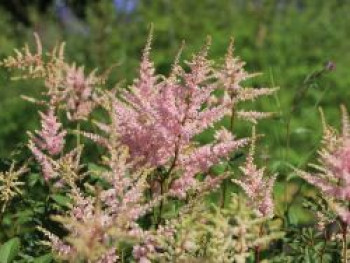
{"x": 332, "y": 175}
{"x": 150, "y": 153}
{"x": 112, "y": 214}
{"x": 10, "y": 185}
{"x": 160, "y": 115}
{"x": 231, "y": 76}
{"x": 66, "y": 85}
{"x": 79, "y": 92}
{"x": 50, "y": 139}
{"x": 26, "y": 60}
{"x": 207, "y": 234}
{"x": 99, "y": 225}
{"x": 236, "y": 231}
{"x": 255, "y": 185}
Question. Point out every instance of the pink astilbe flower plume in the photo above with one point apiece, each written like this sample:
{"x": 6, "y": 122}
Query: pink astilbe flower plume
{"x": 67, "y": 86}
{"x": 160, "y": 115}
{"x": 202, "y": 158}
{"x": 47, "y": 146}
{"x": 46, "y": 163}
{"x": 126, "y": 197}
{"x": 257, "y": 187}
{"x": 332, "y": 174}
{"x": 88, "y": 239}
{"x": 231, "y": 75}
{"x": 79, "y": 92}
{"x": 26, "y": 59}
{"x": 50, "y": 138}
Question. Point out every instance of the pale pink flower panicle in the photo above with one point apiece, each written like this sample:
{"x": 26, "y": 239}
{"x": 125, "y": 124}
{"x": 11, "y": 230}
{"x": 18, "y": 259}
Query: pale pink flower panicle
{"x": 257, "y": 187}
{"x": 46, "y": 163}
{"x": 202, "y": 158}
{"x": 159, "y": 117}
{"x": 47, "y": 146}
{"x": 232, "y": 75}
{"x": 332, "y": 174}
{"x": 78, "y": 92}
{"x": 26, "y": 59}
{"x": 109, "y": 257}
{"x": 66, "y": 85}
{"x": 50, "y": 138}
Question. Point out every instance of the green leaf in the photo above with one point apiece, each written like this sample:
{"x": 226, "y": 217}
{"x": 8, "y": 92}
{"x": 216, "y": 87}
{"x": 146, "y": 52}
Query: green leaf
{"x": 43, "y": 259}
{"x": 61, "y": 200}
{"x": 96, "y": 168}
{"x": 9, "y": 250}
{"x": 33, "y": 179}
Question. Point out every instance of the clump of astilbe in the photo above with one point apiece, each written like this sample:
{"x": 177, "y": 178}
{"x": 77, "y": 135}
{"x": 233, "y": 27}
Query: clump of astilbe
{"x": 159, "y": 116}
{"x": 173, "y": 241}
{"x": 100, "y": 224}
{"x": 92, "y": 236}
{"x": 66, "y": 85}
{"x": 202, "y": 234}
{"x": 10, "y": 184}
{"x": 257, "y": 187}
{"x": 332, "y": 173}
{"x": 150, "y": 134}
{"x": 333, "y": 168}
{"x": 231, "y": 76}
{"x": 235, "y": 233}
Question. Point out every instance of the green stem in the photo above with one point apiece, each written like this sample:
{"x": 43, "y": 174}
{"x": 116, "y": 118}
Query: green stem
{"x": 258, "y": 248}
{"x": 2, "y": 212}
{"x": 323, "y": 250}
{"x": 345, "y": 242}
{"x": 226, "y": 180}
{"x": 78, "y": 134}
{"x": 159, "y": 221}
{"x": 164, "y": 182}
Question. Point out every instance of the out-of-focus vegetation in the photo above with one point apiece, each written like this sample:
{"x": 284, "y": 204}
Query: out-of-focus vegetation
{"x": 300, "y": 46}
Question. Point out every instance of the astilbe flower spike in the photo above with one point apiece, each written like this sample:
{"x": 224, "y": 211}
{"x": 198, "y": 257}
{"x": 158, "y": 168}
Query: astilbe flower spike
{"x": 332, "y": 176}
{"x": 49, "y": 139}
{"x": 10, "y": 184}
{"x": 231, "y": 75}
{"x": 25, "y": 59}
{"x": 67, "y": 86}
{"x": 79, "y": 92}
{"x": 257, "y": 187}
{"x": 160, "y": 115}
{"x": 47, "y": 146}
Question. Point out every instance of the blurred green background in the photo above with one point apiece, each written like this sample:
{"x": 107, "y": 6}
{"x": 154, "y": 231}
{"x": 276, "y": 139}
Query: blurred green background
{"x": 301, "y": 46}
